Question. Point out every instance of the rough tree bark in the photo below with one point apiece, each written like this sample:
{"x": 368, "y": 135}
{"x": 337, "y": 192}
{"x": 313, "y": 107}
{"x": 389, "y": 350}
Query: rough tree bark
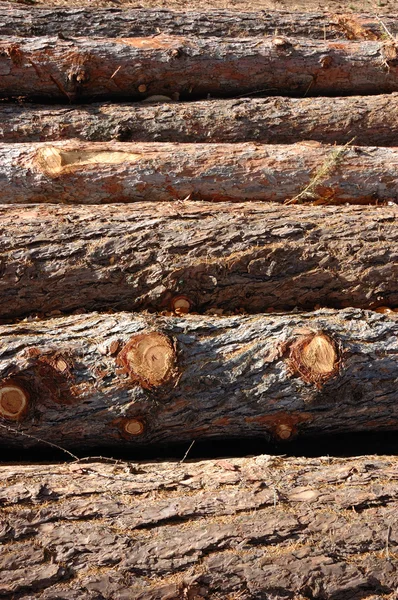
{"x": 368, "y": 119}
{"x": 247, "y": 528}
{"x": 125, "y": 380}
{"x": 99, "y": 173}
{"x": 115, "y": 22}
{"x": 69, "y": 70}
{"x": 238, "y": 256}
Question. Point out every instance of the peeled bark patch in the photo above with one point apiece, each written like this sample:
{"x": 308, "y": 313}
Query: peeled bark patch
{"x": 315, "y": 358}
{"x": 149, "y": 359}
{"x": 14, "y": 401}
{"x": 54, "y": 161}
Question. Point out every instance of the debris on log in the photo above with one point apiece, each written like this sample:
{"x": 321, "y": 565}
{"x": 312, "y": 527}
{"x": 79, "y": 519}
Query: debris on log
{"x": 194, "y": 257}
{"x": 179, "y": 379}
{"x": 265, "y": 526}
{"x": 127, "y": 22}
{"x": 99, "y": 173}
{"x": 93, "y": 69}
{"x": 160, "y": 119}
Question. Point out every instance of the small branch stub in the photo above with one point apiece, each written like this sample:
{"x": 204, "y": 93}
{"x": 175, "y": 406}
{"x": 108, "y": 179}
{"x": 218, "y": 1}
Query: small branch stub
{"x": 315, "y": 358}
{"x": 134, "y": 427}
{"x": 284, "y": 431}
{"x": 150, "y": 359}
{"x": 14, "y": 401}
{"x": 181, "y": 305}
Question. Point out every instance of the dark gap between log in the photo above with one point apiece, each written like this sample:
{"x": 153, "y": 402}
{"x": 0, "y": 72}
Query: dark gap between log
{"x": 343, "y": 445}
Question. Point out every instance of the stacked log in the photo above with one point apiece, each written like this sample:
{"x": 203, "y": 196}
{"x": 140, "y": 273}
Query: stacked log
{"x": 143, "y": 379}
{"x": 176, "y": 271}
{"x": 87, "y": 69}
{"x": 231, "y": 257}
{"x": 161, "y": 119}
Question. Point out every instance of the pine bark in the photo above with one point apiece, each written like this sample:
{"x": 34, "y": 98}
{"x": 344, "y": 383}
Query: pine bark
{"x": 244, "y": 528}
{"x": 90, "y": 69}
{"x": 116, "y": 22}
{"x": 100, "y": 173}
{"x": 368, "y": 119}
{"x": 238, "y": 256}
{"x": 128, "y": 380}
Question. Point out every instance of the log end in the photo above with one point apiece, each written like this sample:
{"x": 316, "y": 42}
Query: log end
{"x": 150, "y": 359}
{"x": 14, "y": 401}
{"x": 315, "y": 358}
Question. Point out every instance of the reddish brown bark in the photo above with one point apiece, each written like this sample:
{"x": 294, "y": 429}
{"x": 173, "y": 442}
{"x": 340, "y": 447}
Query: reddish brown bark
{"x": 99, "y": 173}
{"x": 94, "y": 69}
{"x": 370, "y": 119}
{"x": 196, "y": 257}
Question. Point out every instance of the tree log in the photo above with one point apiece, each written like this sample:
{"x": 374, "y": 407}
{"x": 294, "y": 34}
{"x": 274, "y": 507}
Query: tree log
{"x": 99, "y": 173}
{"x": 82, "y": 69}
{"x": 240, "y": 256}
{"x": 369, "y": 119}
{"x": 116, "y": 22}
{"x": 125, "y": 380}
{"x": 247, "y": 528}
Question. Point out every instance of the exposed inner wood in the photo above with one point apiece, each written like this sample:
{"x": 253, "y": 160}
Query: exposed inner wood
{"x": 134, "y": 427}
{"x": 319, "y": 355}
{"x": 200, "y": 377}
{"x": 150, "y": 359}
{"x": 54, "y": 161}
{"x": 13, "y": 401}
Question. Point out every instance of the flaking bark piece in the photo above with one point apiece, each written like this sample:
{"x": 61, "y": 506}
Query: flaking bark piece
{"x": 315, "y": 358}
{"x": 149, "y": 359}
{"x": 14, "y": 400}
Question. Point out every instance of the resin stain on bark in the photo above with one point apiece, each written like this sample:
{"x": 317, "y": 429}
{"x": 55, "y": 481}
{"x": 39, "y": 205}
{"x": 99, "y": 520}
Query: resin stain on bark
{"x": 149, "y": 359}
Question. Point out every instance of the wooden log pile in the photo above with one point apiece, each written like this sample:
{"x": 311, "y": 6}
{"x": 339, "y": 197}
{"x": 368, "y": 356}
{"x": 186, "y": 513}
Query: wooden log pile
{"x": 198, "y": 241}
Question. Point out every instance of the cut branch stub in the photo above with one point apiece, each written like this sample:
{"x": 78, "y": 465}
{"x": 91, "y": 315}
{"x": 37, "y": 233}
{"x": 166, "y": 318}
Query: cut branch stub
{"x": 14, "y": 400}
{"x": 315, "y": 358}
{"x": 181, "y": 305}
{"x": 134, "y": 427}
{"x": 150, "y": 359}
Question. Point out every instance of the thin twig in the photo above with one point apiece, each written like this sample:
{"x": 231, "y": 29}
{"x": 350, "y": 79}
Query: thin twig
{"x": 322, "y": 172}
{"x": 187, "y": 452}
{"x": 388, "y": 32}
{"x": 37, "y": 439}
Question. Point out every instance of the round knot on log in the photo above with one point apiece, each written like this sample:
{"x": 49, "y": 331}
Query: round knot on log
{"x": 150, "y": 359}
{"x": 315, "y": 358}
{"x": 134, "y": 427}
{"x": 14, "y": 401}
{"x": 181, "y": 305}
{"x": 284, "y": 431}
